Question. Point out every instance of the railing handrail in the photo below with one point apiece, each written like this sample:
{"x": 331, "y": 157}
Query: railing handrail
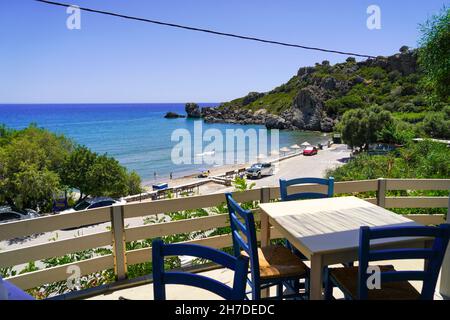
{"x": 119, "y": 234}
{"x": 59, "y": 221}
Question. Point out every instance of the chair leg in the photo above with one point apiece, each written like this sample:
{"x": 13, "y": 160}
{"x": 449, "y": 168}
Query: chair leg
{"x": 256, "y": 292}
{"x": 329, "y": 291}
{"x": 328, "y": 285}
{"x": 280, "y": 291}
{"x": 297, "y": 286}
{"x": 307, "y": 287}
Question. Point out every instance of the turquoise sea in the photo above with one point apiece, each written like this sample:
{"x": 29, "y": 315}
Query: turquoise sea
{"x": 137, "y": 135}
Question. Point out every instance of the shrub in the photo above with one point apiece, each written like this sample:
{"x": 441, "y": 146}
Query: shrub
{"x": 436, "y": 125}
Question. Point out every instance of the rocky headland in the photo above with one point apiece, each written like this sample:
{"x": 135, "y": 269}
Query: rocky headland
{"x": 315, "y": 98}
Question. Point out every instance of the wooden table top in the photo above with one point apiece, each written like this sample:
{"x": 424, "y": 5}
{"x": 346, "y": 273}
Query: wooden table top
{"x": 330, "y": 224}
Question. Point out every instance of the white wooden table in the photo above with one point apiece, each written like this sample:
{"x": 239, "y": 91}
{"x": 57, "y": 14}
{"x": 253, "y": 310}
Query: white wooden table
{"x": 326, "y": 230}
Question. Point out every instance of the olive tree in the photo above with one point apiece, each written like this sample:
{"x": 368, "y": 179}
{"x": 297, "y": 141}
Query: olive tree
{"x": 360, "y": 127}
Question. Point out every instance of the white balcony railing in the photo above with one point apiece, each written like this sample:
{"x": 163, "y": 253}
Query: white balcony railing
{"x": 119, "y": 234}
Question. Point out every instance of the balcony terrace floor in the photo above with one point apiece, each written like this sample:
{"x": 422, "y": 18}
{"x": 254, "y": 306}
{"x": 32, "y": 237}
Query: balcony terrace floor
{"x": 179, "y": 292}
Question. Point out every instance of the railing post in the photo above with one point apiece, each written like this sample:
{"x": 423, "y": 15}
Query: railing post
{"x": 118, "y": 242}
{"x": 265, "y": 195}
{"x": 381, "y": 192}
{"x": 444, "y": 288}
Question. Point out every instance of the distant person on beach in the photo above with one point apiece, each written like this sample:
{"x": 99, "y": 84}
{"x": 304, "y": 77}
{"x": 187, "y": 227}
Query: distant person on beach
{"x": 154, "y": 175}
{"x": 171, "y": 175}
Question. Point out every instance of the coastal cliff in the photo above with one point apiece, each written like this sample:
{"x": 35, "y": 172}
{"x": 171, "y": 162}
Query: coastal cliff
{"x": 317, "y": 96}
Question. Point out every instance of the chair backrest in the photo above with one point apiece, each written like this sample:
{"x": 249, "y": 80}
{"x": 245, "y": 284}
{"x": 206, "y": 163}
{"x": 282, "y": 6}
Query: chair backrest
{"x": 285, "y": 196}
{"x": 160, "y": 277}
{"x": 433, "y": 256}
{"x": 247, "y": 228}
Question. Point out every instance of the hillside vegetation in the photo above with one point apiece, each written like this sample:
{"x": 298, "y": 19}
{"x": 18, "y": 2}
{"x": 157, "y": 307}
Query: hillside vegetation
{"x": 412, "y": 85}
{"x": 396, "y": 84}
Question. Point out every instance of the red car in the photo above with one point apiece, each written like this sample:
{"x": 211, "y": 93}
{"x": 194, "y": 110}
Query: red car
{"x": 310, "y": 151}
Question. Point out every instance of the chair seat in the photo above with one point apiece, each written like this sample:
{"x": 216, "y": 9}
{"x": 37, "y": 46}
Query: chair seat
{"x": 347, "y": 279}
{"x": 279, "y": 262}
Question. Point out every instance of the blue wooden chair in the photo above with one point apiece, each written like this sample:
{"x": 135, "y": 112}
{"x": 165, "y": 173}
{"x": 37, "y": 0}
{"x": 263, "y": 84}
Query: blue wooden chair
{"x": 285, "y": 196}
{"x": 160, "y": 277}
{"x": 394, "y": 284}
{"x": 269, "y": 266}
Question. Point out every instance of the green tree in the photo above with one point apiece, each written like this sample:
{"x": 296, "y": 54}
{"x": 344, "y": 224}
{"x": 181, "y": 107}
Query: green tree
{"x": 434, "y": 53}
{"x": 107, "y": 178}
{"x": 98, "y": 175}
{"x": 76, "y": 170}
{"x": 360, "y": 127}
{"x": 134, "y": 183}
{"x": 34, "y": 188}
{"x": 29, "y": 163}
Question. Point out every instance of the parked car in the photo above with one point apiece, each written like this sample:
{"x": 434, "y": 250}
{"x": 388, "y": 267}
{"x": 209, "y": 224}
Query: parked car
{"x": 92, "y": 203}
{"x": 310, "y": 151}
{"x": 258, "y": 170}
{"x": 10, "y": 213}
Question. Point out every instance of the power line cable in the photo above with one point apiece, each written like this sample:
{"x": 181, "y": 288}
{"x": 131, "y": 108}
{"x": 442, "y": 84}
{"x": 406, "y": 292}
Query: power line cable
{"x": 173, "y": 25}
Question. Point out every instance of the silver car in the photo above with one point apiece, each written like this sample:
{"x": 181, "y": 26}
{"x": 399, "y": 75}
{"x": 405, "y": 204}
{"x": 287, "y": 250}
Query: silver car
{"x": 258, "y": 170}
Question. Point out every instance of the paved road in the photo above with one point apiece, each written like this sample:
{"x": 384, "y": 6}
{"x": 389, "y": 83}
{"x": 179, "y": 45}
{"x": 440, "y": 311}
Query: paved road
{"x": 307, "y": 166}
{"x": 301, "y": 166}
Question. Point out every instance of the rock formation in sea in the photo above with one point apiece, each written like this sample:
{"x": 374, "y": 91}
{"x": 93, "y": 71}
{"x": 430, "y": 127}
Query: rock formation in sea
{"x": 193, "y": 110}
{"x": 173, "y": 115}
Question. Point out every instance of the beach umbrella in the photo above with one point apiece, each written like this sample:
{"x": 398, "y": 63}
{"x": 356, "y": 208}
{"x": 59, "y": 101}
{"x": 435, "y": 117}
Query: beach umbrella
{"x": 261, "y": 156}
{"x": 284, "y": 150}
{"x": 274, "y": 153}
{"x": 295, "y": 146}
{"x": 306, "y": 144}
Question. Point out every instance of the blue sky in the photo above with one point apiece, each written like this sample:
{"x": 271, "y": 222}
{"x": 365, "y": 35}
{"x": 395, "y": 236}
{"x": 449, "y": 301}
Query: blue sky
{"x": 115, "y": 60}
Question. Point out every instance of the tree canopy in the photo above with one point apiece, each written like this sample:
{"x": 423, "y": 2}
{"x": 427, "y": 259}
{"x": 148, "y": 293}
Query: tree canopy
{"x": 361, "y": 127}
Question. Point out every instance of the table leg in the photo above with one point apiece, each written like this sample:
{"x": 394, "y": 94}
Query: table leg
{"x": 265, "y": 230}
{"x": 316, "y": 278}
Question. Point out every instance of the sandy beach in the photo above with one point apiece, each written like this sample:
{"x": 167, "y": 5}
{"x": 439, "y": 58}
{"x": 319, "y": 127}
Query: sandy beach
{"x": 292, "y": 167}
